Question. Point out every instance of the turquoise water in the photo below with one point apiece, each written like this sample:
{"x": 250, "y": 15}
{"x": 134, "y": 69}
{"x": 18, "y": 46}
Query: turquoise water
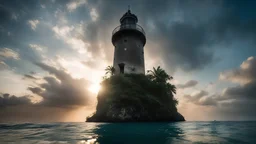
{"x": 129, "y": 133}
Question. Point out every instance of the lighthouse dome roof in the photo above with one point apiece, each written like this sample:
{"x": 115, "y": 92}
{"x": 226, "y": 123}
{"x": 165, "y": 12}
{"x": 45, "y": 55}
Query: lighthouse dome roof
{"x": 129, "y": 15}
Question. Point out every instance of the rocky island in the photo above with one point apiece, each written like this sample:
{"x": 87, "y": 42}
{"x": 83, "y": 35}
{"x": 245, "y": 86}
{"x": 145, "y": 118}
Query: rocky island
{"x": 137, "y": 98}
{"x": 127, "y": 94}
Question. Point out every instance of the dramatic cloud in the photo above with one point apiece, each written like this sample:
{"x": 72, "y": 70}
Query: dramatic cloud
{"x": 245, "y": 92}
{"x": 65, "y": 33}
{"x": 8, "y": 100}
{"x": 186, "y": 36}
{"x": 182, "y": 33}
{"x": 240, "y": 99}
{"x": 188, "y": 84}
{"x": 9, "y": 53}
{"x": 62, "y": 90}
{"x": 58, "y": 97}
{"x": 21, "y": 108}
{"x": 179, "y": 31}
{"x": 245, "y": 74}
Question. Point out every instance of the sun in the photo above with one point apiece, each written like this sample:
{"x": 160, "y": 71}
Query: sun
{"x": 94, "y": 88}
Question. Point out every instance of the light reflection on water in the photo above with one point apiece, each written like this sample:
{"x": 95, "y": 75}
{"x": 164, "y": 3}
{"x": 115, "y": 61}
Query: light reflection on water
{"x": 130, "y": 133}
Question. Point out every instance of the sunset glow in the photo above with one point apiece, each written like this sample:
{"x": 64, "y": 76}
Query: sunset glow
{"x": 54, "y": 55}
{"x": 94, "y": 88}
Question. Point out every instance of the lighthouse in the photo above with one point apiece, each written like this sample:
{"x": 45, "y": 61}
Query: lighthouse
{"x": 129, "y": 40}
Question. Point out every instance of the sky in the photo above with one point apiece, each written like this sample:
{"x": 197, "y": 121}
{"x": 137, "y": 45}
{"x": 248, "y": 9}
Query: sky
{"x": 53, "y": 54}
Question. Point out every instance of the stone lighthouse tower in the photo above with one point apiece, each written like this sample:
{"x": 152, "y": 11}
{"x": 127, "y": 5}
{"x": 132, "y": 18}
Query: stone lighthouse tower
{"x": 129, "y": 40}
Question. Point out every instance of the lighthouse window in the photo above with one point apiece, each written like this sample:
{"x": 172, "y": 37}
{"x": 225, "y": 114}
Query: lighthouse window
{"x": 125, "y": 40}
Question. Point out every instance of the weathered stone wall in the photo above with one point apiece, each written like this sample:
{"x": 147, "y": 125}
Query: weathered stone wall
{"x": 129, "y": 49}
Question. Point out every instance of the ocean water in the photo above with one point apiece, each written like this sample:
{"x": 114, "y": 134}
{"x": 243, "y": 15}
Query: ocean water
{"x": 129, "y": 133}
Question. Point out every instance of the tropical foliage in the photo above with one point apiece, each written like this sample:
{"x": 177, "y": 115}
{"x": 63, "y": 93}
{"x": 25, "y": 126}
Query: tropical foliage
{"x": 136, "y": 97}
{"x": 158, "y": 75}
{"x": 110, "y": 70}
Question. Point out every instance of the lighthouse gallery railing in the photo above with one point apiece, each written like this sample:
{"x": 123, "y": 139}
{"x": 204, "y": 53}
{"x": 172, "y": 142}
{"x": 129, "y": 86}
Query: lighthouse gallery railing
{"x": 128, "y": 26}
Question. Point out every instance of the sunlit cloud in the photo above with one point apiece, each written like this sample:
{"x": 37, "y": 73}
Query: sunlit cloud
{"x": 94, "y": 14}
{"x": 63, "y": 32}
{"x": 37, "y": 47}
{"x": 77, "y": 69}
{"x": 9, "y": 53}
{"x": 71, "y": 6}
{"x": 33, "y": 24}
{"x": 244, "y": 74}
{"x": 79, "y": 45}
{"x": 67, "y": 34}
{"x": 74, "y": 37}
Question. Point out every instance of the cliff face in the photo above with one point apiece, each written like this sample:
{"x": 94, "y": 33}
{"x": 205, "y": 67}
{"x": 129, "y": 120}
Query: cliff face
{"x": 134, "y": 98}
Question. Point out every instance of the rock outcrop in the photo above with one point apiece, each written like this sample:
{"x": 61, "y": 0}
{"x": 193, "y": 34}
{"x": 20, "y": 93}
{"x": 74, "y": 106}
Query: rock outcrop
{"x": 134, "y": 98}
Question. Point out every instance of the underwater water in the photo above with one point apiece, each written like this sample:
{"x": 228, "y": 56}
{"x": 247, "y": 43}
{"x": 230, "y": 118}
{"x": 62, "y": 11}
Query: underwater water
{"x": 130, "y": 133}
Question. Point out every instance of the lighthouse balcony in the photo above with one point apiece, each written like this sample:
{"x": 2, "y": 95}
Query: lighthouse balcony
{"x": 128, "y": 27}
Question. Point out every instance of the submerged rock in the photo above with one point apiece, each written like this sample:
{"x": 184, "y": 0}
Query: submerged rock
{"x": 134, "y": 98}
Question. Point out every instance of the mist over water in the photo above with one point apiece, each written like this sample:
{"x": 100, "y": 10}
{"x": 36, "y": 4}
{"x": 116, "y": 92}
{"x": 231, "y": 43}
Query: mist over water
{"x": 130, "y": 133}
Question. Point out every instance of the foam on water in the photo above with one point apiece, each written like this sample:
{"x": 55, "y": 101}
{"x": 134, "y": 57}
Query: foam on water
{"x": 130, "y": 133}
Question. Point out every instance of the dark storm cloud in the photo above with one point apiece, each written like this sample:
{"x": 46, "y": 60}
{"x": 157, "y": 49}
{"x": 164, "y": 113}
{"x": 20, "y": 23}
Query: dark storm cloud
{"x": 11, "y": 100}
{"x": 20, "y": 108}
{"x": 246, "y": 91}
{"x": 239, "y": 109}
{"x": 236, "y": 100}
{"x": 188, "y": 84}
{"x": 61, "y": 96}
{"x": 35, "y": 90}
{"x": 238, "y": 93}
{"x": 61, "y": 90}
{"x": 182, "y": 32}
{"x": 184, "y": 46}
{"x": 58, "y": 90}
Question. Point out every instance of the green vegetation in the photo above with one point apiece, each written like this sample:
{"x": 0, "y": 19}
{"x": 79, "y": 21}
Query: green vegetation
{"x": 137, "y": 97}
{"x": 110, "y": 70}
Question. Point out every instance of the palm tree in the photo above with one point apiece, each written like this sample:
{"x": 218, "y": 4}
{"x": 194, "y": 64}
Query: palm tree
{"x": 110, "y": 70}
{"x": 158, "y": 75}
{"x": 171, "y": 88}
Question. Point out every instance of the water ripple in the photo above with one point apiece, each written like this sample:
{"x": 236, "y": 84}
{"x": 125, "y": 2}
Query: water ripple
{"x": 106, "y": 133}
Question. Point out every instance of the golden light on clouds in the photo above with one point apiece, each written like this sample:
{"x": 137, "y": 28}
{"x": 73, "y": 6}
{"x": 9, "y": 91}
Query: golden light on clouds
{"x": 94, "y": 88}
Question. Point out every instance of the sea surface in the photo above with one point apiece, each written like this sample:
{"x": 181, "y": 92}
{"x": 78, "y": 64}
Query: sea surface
{"x": 129, "y": 133}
